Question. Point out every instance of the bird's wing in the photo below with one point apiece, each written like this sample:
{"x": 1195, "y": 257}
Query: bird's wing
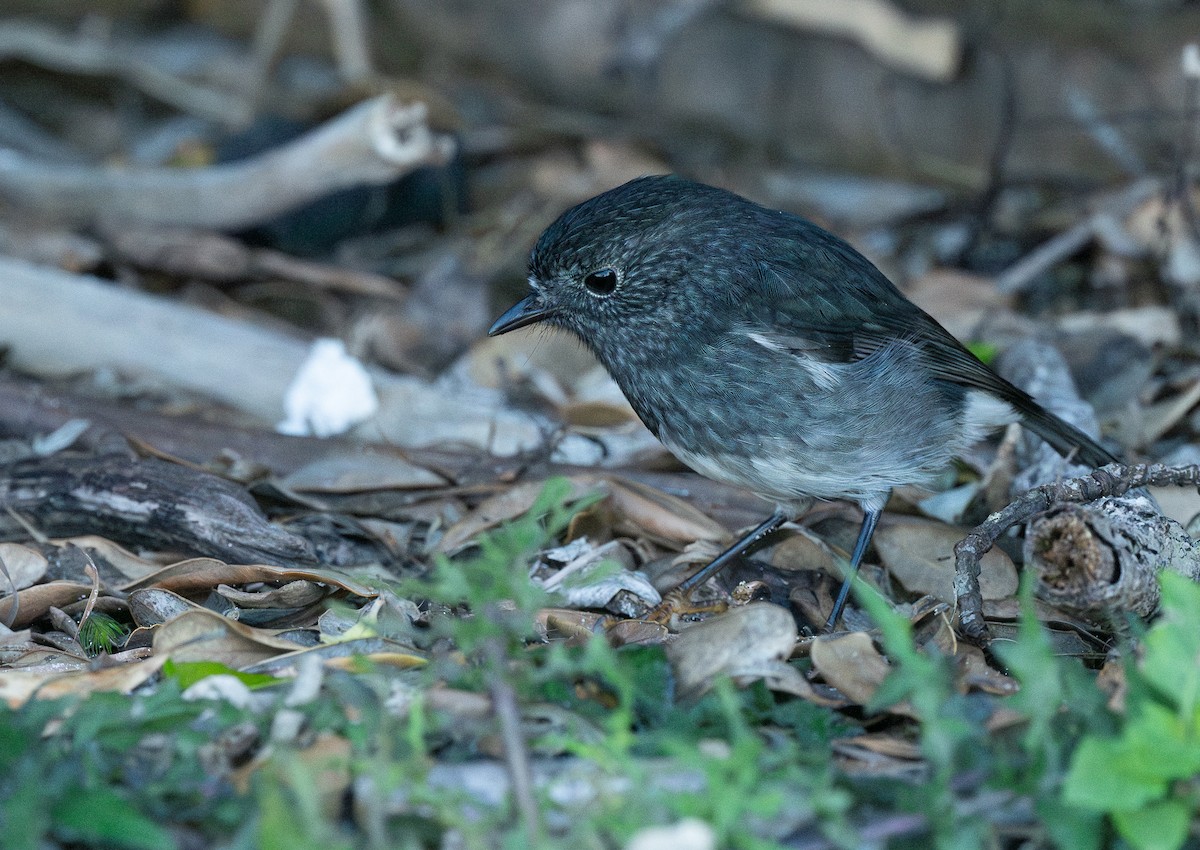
{"x": 824, "y": 300}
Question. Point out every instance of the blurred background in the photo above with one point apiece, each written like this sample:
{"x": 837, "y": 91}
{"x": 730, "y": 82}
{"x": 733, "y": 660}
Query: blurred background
{"x": 1016, "y": 167}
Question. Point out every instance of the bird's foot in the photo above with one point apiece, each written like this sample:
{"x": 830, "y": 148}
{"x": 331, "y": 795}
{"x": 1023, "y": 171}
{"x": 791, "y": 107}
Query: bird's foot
{"x": 678, "y": 604}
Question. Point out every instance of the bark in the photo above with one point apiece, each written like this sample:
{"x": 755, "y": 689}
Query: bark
{"x": 146, "y": 503}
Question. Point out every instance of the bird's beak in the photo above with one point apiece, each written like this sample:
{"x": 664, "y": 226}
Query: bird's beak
{"x": 525, "y": 312}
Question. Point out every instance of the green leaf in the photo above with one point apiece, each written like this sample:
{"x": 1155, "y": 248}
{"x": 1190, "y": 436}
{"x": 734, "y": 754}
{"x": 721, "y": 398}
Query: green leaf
{"x": 1158, "y": 826}
{"x": 985, "y": 351}
{"x": 1126, "y": 772}
{"x": 188, "y": 673}
{"x": 101, "y": 816}
{"x": 1070, "y": 827}
{"x": 1097, "y": 779}
{"x": 100, "y": 633}
{"x": 1172, "y": 646}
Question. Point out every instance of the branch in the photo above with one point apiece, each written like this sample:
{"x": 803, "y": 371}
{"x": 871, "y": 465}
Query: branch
{"x": 372, "y": 143}
{"x": 1111, "y": 481}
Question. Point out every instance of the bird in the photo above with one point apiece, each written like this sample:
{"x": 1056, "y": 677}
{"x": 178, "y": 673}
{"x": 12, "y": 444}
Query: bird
{"x": 766, "y": 352}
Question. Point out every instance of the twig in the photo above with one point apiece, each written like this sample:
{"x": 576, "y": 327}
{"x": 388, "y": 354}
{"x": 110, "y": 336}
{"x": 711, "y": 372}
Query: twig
{"x": 11, "y": 617}
{"x": 372, "y": 143}
{"x": 1112, "y": 480}
{"x": 1058, "y": 248}
{"x": 83, "y": 54}
{"x": 348, "y": 32}
{"x": 516, "y": 751}
{"x": 213, "y": 256}
{"x": 53, "y": 322}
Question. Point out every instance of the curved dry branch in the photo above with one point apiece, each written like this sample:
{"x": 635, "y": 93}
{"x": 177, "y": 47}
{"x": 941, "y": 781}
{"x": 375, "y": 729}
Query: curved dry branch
{"x": 374, "y": 142}
{"x": 83, "y": 53}
{"x": 1111, "y": 481}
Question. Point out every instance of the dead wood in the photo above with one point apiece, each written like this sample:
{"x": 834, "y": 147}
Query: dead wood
{"x": 1098, "y": 560}
{"x": 88, "y": 53}
{"x": 372, "y": 143}
{"x": 1092, "y": 562}
{"x": 56, "y": 323}
{"x": 216, "y": 257}
{"x": 147, "y": 503}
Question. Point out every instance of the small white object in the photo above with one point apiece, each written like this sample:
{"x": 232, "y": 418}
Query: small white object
{"x": 687, "y": 834}
{"x": 223, "y": 687}
{"x": 330, "y": 393}
{"x": 1191, "y": 60}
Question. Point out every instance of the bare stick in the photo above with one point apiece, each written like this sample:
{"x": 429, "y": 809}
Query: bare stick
{"x": 372, "y": 143}
{"x": 1041, "y": 259}
{"x": 1112, "y": 480}
{"x": 84, "y": 54}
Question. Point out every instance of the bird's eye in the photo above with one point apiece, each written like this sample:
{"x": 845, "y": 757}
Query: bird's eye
{"x": 601, "y": 281}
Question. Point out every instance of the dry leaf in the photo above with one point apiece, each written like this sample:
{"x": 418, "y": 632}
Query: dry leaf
{"x": 850, "y": 663}
{"x": 347, "y": 654}
{"x": 662, "y": 515}
{"x": 920, "y": 554}
{"x": 294, "y": 594}
{"x": 753, "y": 640}
{"x": 34, "y": 602}
{"x": 975, "y": 673}
{"x": 569, "y": 622}
{"x": 202, "y": 574}
{"x": 507, "y": 505}
{"x": 151, "y": 606}
{"x": 885, "y": 745}
{"x": 18, "y": 686}
{"x": 354, "y": 471}
{"x": 203, "y": 635}
{"x": 23, "y": 566}
{"x": 119, "y": 558}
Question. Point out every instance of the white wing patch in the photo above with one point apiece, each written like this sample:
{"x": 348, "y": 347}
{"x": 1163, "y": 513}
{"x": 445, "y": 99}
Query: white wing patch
{"x": 824, "y": 375}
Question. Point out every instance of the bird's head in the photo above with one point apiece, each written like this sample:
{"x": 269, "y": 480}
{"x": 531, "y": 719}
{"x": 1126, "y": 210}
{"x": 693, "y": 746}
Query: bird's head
{"x": 648, "y": 260}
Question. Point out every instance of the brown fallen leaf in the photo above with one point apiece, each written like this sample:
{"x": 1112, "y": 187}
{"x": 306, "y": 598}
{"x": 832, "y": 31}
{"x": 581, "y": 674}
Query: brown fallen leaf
{"x": 920, "y": 554}
{"x": 662, "y": 515}
{"x": 20, "y": 566}
{"x": 569, "y": 622}
{"x": 751, "y": 641}
{"x": 878, "y": 756}
{"x": 203, "y": 635}
{"x": 507, "y": 505}
{"x": 42, "y": 659}
{"x": 976, "y": 674}
{"x": 294, "y": 594}
{"x": 850, "y": 663}
{"x": 353, "y": 471}
{"x": 886, "y": 745}
{"x": 202, "y": 574}
{"x": 18, "y": 686}
{"x": 637, "y": 633}
{"x": 345, "y": 655}
{"x": 21, "y": 609}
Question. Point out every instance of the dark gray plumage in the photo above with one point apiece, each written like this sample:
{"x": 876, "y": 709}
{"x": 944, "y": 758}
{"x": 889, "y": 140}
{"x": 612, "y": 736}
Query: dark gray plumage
{"x": 767, "y": 352}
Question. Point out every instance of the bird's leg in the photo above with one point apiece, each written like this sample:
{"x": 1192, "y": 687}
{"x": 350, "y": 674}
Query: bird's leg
{"x": 677, "y": 600}
{"x": 870, "y": 518}
{"x": 725, "y": 558}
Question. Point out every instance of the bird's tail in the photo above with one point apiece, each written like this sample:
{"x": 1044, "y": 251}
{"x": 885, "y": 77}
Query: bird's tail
{"x": 1065, "y": 438}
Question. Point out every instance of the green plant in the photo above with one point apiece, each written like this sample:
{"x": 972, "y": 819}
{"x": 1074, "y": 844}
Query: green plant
{"x": 1146, "y": 778}
{"x": 951, "y": 739}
